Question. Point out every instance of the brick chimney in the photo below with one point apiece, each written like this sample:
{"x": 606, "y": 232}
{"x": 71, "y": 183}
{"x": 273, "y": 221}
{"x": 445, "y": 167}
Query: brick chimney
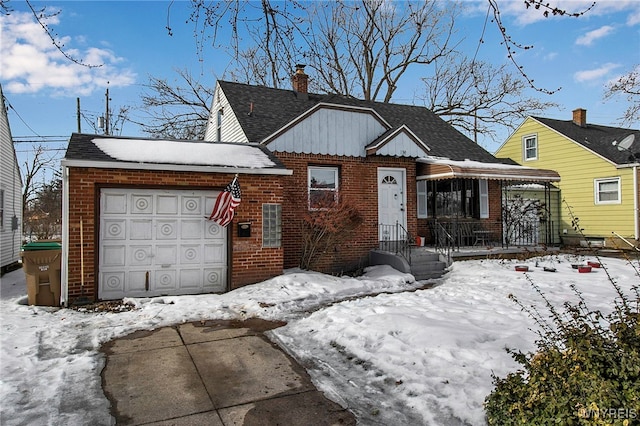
{"x": 300, "y": 80}
{"x": 580, "y": 117}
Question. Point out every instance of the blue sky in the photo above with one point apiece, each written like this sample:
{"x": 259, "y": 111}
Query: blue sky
{"x": 130, "y": 39}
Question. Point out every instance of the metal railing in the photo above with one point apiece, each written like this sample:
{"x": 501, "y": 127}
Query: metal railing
{"x": 396, "y": 239}
{"x": 443, "y": 240}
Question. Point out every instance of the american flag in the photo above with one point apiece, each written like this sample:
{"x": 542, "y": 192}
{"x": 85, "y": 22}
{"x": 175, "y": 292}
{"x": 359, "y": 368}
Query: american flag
{"x": 226, "y": 203}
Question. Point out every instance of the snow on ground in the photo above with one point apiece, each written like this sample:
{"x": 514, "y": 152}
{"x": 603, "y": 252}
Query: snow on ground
{"x": 403, "y": 357}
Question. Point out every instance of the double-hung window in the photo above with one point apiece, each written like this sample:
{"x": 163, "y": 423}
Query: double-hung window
{"x": 323, "y": 187}
{"x": 530, "y": 147}
{"x": 422, "y": 191}
{"x": 607, "y": 191}
{"x": 219, "y": 124}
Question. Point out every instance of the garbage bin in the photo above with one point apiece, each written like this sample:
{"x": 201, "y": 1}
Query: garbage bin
{"x": 42, "y": 261}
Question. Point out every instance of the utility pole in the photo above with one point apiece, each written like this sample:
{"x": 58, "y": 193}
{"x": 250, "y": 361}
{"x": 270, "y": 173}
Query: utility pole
{"x": 106, "y": 115}
{"x": 78, "y": 114}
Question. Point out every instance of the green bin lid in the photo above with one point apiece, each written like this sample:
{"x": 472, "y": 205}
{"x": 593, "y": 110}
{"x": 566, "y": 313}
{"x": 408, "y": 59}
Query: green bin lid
{"x": 42, "y": 245}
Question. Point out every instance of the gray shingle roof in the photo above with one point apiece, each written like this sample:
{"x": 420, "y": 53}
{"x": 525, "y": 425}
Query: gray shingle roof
{"x": 271, "y": 109}
{"x": 598, "y": 139}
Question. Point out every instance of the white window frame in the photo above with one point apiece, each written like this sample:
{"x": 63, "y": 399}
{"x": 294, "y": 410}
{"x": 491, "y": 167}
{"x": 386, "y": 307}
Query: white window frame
{"x": 597, "y": 191}
{"x": 334, "y": 190}
{"x": 422, "y": 204}
{"x": 219, "y": 116}
{"x": 526, "y": 138}
{"x": 483, "y": 197}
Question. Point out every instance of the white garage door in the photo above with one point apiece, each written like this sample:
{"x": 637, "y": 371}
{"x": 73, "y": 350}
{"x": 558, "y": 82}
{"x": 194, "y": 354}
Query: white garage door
{"x": 158, "y": 242}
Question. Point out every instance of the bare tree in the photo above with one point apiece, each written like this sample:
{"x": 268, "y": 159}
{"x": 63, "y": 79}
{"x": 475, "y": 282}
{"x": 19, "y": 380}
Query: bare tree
{"x": 475, "y": 97}
{"x": 627, "y": 86}
{"x": 178, "y": 112}
{"x": 43, "y": 213}
{"x": 363, "y": 49}
{"x": 368, "y": 43}
{"x": 31, "y": 171}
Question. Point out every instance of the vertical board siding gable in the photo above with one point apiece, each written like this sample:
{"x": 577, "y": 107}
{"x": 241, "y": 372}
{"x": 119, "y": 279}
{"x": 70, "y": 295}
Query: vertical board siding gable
{"x": 330, "y": 131}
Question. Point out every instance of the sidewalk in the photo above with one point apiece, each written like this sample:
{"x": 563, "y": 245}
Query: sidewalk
{"x": 217, "y": 373}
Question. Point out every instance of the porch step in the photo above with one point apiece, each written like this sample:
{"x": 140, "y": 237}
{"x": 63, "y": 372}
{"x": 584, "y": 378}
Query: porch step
{"x": 426, "y": 265}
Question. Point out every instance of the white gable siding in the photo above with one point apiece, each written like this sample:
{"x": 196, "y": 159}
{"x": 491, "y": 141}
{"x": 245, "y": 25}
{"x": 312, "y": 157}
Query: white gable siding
{"x": 401, "y": 145}
{"x": 231, "y": 130}
{"x": 330, "y": 131}
{"x": 11, "y": 186}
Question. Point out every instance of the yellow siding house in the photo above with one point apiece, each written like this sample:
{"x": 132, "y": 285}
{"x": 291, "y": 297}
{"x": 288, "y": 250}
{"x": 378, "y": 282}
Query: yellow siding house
{"x": 598, "y": 168}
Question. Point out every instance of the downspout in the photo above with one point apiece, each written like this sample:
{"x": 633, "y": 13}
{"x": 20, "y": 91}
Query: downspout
{"x": 636, "y": 222}
{"x": 64, "y": 278}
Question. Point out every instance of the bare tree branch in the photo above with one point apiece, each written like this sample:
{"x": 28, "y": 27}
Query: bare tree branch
{"x": 475, "y": 97}
{"x": 627, "y": 86}
{"x": 177, "y": 112}
{"x": 41, "y": 17}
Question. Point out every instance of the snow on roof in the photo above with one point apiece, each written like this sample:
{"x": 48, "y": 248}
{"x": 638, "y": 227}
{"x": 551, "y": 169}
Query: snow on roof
{"x": 471, "y": 164}
{"x": 181, "y": 152}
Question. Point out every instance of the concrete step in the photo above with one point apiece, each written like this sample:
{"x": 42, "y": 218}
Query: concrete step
{"x": 427, "y": 266}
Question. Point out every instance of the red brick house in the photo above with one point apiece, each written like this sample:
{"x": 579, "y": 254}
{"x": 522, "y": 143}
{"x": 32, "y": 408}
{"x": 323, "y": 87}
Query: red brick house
{"x": 408, "y": 170}
{"x": 135, "y": 210}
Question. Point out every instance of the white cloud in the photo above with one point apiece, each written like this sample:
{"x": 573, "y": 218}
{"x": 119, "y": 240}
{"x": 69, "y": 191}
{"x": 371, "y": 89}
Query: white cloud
{"x": 30, "y": 63}
{"x": 591, "y": 36}
{"x": 594, "y": 74}
{"x": 524, "y": 16}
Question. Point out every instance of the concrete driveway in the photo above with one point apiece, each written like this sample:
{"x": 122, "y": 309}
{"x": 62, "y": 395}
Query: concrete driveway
{"x": 216, "y": 373}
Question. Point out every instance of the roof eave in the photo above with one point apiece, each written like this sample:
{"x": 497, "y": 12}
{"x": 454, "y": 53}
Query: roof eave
{"x": 173, "y": 167}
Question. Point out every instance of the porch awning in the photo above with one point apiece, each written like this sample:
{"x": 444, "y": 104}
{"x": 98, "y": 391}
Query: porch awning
{"x": 437, "y": 169}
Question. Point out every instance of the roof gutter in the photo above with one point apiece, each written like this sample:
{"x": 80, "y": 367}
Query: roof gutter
{"x": 174, "y": 167}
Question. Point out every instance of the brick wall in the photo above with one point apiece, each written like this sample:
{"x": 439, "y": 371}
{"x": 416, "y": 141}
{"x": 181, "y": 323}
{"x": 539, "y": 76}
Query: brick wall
{"x": 358, "y": 182}
{"x": 251, "y": 262}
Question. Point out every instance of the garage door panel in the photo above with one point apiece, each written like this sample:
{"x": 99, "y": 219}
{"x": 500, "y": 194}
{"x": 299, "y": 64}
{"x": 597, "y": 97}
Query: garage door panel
{"x": 213, "y": 231}
{"x": 141, "y": 204}
{"x": 140, "y": 255}
{"x": 115, "y": 229}
{"x": 167, "y": 229}
{"x": 158, "y": 242}
{"x": 113, "y": 283}
{"x": 167, "y": 204}
{"x": 136, "y": 282}
{"x": 114, "y": 255}
{"x": 114, "y": 204}
{"x": 191, "y": 229}
{"x": 190, "y": 278}
{"x": 192, "y": 206}
{"x": 190, "y": 254}
{"x": 140, "y": 229}
{"x": 214, "y": 253}
{"x": 166, "y": 255}
{"x": 214, "y": 279}
{"x": 164, "y": 281}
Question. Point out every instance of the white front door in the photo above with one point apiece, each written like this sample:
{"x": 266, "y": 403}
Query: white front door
{"x": 392, "y": 203}
{"x": 158, "y": 242}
